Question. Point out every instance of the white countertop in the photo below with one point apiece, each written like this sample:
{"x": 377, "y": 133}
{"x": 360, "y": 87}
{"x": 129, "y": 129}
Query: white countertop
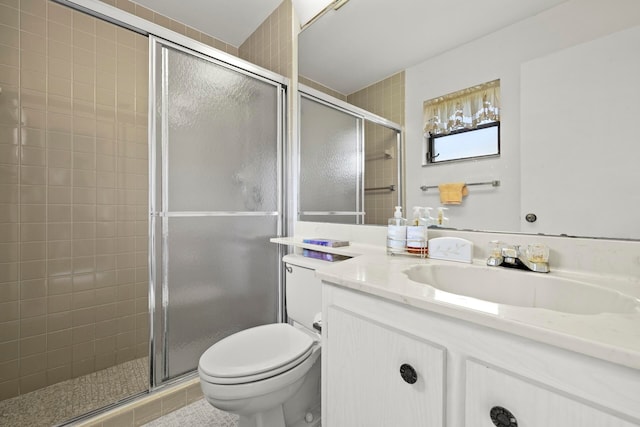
{"x": 608, "y": 336}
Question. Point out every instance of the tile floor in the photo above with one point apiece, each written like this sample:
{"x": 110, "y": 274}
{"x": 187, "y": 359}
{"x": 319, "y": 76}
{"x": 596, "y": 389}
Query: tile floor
{"x": 197, "y": 414}
{"x": 62, "y": 401}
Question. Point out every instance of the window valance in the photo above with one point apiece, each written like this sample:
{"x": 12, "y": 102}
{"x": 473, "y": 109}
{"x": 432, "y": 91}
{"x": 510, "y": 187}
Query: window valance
{"x": 464, "y": 109}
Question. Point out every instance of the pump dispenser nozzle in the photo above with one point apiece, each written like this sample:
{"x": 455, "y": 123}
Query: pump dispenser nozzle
{"x": 398, "y": 212}
{"x": 442, "y": 220}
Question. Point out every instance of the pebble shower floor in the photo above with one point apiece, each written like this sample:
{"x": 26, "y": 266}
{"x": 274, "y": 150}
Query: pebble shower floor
{"x": 68, "y": 399}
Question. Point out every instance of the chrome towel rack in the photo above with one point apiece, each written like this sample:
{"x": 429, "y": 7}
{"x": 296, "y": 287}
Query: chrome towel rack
{"x": 391, "y": 187}
{"x": 494, "y": 183}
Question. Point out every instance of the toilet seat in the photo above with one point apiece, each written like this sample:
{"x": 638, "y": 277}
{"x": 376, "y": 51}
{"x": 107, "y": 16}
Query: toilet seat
{"x": 255, "y": 354}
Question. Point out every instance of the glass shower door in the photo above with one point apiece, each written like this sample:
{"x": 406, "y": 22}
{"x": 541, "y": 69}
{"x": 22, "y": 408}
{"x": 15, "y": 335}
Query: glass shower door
{"x": 216, "y": 201}
{"x": 331, "y": 163}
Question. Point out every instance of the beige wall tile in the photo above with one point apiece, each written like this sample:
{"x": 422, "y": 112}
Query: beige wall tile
{"x": 59, "y": 321}
{"x": 9, "y": 56}
{"x": 33, "y": 42}
{"x": 33, "y": 307}
{"x": 61, "y": 373}
{"x": 9, "y": 16}
{"x": 33, "y": 270}
{"x": 60, "y": 357}
{"x": 9, "y": 36}
{"x": 83, "y": 367}
{"x": 31, "y": 346}
{"x": 59, "y": 86}
{"x": 29, "y": 289}
{"x": 34, "y": 7}
{"x": 9, "y": 292}
{"x": 33, "y": 382}
{"x": 59, "y": 14}
{"x": 33, "y": 24}
{"x": 9, "y": 311}
{"x": 9, "y": 76}
{"x": 32, "y": 194}
{"x": 9, "y": 371}
{"x": 33, "y": 326}
{"x": 9, "y": 389}
{"x": 84, "y": 22}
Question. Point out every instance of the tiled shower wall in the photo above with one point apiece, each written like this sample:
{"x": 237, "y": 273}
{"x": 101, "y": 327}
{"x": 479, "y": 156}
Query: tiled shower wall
{"x": 73, "y": 213}
{"x": 386, "y": 99}
{"x": 270, "y": 45}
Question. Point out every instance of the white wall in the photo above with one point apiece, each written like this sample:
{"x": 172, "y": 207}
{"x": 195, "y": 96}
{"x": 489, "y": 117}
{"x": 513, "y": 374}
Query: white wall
{"x": 498, "y": 55}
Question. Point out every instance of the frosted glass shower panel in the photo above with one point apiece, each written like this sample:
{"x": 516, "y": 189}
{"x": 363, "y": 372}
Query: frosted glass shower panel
{"x": 222, "y": 280}
{"x": 215, "y": 202}
{"x": 214, "y": 112}
{"x": 330, "y": 159}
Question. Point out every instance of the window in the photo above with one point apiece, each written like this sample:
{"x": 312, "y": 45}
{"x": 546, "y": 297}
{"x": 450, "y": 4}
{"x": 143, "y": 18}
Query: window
{"x": 463, "y": 125}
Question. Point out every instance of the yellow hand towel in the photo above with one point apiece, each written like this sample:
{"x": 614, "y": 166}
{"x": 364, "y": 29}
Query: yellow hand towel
{"x": 452, "y": 193}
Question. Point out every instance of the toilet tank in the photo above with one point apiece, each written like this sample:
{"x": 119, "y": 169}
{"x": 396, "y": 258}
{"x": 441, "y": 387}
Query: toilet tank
{"x": 302, "y": 289}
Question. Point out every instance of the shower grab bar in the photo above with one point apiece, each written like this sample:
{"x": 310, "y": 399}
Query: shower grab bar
{"x": 391, "y": 187}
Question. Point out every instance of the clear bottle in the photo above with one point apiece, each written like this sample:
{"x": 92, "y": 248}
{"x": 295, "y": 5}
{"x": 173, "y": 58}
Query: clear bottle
{"x": 396, "y": 233}
{"x": 417, "y": 233}
{"x": 428, "y": 219}
{"x": 442, "y": 220}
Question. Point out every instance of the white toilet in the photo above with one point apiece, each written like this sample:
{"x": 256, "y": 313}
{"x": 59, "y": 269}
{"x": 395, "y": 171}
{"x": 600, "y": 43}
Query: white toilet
{"x": 270, "y": 375}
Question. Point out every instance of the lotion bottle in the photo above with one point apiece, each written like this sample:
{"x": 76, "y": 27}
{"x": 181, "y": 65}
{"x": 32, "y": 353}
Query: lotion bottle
{"x": 396, "y": 233}
{"x": 417, "y": 233}
{"x": 442, "y": 220}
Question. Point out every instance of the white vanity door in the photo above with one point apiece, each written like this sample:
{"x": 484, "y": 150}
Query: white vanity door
{"x": 531, "y": 404}
{"x": 364, "y": 383}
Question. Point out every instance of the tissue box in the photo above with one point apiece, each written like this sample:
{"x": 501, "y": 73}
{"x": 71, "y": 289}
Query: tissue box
{"x": 451, "y": 249}
{"x": 326, "y": 242}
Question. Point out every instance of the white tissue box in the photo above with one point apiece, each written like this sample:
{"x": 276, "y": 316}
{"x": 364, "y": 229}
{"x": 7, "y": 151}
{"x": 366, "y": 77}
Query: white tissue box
{"x": 451, "y": 249}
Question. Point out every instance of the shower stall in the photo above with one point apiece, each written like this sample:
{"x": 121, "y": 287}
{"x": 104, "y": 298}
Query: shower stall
{"x": 140, "y": 181}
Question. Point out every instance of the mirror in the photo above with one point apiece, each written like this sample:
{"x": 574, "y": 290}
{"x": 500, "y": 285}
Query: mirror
{"x": 568, "y": 111}
{"x": 348, "y": 162}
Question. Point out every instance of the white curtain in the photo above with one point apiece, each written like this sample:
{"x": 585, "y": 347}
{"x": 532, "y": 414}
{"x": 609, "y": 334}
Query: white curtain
{"x": 464, "y": 109}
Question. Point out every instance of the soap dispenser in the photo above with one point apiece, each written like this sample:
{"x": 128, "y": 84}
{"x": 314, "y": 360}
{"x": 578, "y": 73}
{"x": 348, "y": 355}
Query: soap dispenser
{"x": 442, "y": 220}
{"x": 396, "y": 233}
{"x": 417, "y": 233}
{"x": 429, "y": 220}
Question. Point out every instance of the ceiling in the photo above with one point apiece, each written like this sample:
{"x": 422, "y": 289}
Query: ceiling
{"x": 365, "y": 41}
{"x": 231, "y": 21}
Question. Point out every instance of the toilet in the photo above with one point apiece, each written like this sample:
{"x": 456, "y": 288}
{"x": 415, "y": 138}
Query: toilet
{"x": 270, "y": 374}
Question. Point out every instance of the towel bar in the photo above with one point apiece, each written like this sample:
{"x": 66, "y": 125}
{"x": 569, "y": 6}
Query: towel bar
{"x": 494, "y": 183}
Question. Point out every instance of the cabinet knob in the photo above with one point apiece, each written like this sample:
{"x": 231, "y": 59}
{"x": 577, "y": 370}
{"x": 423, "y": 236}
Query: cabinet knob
{"x": 408, "y": 374}
{"x": 501, "y": 417}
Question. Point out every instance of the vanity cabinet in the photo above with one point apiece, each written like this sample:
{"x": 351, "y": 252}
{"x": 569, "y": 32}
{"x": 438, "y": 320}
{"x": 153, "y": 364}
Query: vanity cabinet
{"x": 529, "y": 403}
{"x": 377, "y": 375}
{"x": 465, "y": 372}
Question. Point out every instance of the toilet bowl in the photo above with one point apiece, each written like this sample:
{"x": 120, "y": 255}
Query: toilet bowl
{"x": 270, "y": 374}
{"x": 254, "y": 372}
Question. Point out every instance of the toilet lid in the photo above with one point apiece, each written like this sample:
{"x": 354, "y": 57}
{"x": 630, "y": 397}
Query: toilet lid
{"x": 255, "y": 351}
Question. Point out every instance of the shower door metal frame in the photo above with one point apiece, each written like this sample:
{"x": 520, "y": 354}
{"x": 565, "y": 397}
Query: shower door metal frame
{"x": 359, "y": 113}
{"x": 160, "y": 214}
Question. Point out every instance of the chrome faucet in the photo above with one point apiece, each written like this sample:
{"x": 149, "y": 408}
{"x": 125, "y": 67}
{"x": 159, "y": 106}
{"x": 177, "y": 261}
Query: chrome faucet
{"x": 535, "y": 258}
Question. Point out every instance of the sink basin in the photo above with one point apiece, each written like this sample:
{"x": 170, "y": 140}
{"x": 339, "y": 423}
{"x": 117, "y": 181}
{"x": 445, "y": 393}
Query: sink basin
{"x": 523, "y": 289}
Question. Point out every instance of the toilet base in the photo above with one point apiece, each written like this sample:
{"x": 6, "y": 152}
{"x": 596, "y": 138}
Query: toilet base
{"x": 272, "y": 417}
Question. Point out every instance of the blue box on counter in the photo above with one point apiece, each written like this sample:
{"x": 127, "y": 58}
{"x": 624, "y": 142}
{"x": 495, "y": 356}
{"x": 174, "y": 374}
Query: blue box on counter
{"x": 327, "y": 242}
{"x": 323, "y": 255}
